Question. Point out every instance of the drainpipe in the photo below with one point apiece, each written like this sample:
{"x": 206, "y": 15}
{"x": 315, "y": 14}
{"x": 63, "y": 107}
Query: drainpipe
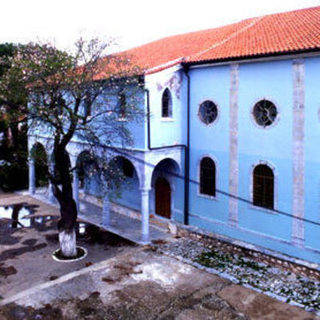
{"x": 187, "y": 154}
{"x": 186, "y": 148}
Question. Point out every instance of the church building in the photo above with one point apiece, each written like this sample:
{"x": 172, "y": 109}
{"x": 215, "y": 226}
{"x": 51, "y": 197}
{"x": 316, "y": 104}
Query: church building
{"x": 230, "y": 141}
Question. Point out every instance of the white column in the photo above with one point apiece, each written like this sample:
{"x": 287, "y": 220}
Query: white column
{"x": 145, "y": 214}
{"x": 106, "y": 211}
{"x": 51, "y": 195}
{"x": 32, "y": 177}
{"x": 76, "y": 189}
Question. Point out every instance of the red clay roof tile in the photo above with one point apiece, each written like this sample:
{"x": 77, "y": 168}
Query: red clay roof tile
{"x": 286, "y": 32}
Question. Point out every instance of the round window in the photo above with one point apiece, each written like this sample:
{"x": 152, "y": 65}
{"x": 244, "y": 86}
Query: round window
{"x": 264, "y": 112}
{"x": 208, "y": 112}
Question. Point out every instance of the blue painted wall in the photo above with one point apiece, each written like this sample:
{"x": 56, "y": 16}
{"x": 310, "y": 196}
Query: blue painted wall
{"x": 272, "y": 81}
{"x": 128, "y": 194}
{"x": 273, "y": 145}
{"x": 108, "y": 124}
{"x": 212, "y": 140}
{"x": 312, "y": 151}
{"x": 134, "y": 123}
{"x": 167, "y": 131}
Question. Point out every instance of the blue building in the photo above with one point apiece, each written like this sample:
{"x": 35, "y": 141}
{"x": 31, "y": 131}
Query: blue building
{"x": 230, "y": 141}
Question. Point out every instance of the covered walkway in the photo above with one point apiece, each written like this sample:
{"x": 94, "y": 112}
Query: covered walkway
{"x": 120, "y": 224}
{"x": 146, "y": 181}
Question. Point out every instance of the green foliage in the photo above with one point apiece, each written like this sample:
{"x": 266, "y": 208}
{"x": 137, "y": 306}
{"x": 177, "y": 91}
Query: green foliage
{"x": 6, "y": 50}
{"x": 13, "y": 145}
{"x": 13, "y": 158}
{"x": 67, "y": 99}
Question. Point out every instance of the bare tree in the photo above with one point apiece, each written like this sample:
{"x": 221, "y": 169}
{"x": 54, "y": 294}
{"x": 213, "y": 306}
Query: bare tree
{"x": 71, "y": 96}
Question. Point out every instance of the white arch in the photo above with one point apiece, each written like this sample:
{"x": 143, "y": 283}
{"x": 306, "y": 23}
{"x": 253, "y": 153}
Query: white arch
{"x": 131, "y": 162}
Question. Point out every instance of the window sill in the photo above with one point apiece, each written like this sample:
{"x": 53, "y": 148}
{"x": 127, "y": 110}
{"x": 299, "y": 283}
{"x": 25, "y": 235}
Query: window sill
{"x": 266, "y": 210}
{"x": 206, "y": 196}
{"x": 167, "y": 119}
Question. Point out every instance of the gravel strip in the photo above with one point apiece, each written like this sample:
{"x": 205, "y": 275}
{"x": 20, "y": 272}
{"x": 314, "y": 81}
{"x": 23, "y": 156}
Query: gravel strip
{"x": 279, "y": 283}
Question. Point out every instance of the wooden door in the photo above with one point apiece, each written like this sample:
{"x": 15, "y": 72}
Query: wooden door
{"x": 163, "y": 198}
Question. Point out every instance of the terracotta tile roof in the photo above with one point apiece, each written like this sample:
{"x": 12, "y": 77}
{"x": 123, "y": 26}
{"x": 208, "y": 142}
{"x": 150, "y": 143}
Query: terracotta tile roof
{"x": 286, "y": 32}
{"x": 277, "y": 33}
{"x": 172, "y": 50}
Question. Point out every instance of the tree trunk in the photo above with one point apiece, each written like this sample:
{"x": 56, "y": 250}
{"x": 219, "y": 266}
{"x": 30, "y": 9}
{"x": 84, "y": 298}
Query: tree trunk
{"x": 67, "y": 227}
{"x": 67, "y": 241}
{"x": 68, "y": 207}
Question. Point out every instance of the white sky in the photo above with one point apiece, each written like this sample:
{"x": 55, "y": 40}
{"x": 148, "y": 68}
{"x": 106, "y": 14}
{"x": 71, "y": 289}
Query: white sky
{"x": 132, "y": 22}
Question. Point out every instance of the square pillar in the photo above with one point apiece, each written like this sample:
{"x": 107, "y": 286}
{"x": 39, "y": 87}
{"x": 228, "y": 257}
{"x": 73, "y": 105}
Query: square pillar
{"x": 50, "y": 188}
{"x": 76, "y": 189}
{"x": 145, "y": 214}
{"x": 106, "y": 211}
{"x": 32, "y": 177}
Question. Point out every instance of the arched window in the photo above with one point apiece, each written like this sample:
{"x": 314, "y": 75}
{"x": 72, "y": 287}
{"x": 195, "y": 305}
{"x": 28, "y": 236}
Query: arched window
{"x": 166, "y": 104}
{"x": 208, "y": 177}
{"x": 263, "y": 186}
{"x": 122, "y": 105}
{"x": 127, "y": 167}
{"x": 88, "y": 104}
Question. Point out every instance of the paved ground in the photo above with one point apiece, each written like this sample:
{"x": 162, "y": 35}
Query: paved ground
{"x": 145, "y": 285}
{"x": 25, "y": 254}
{"x": 117, "y": 280}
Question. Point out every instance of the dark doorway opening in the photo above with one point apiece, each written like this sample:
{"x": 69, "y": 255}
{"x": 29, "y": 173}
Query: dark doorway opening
{"x": 163, "y": 198}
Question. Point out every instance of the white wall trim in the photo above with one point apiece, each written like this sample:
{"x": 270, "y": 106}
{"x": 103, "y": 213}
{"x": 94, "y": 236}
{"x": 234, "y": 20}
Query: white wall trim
{"x": 262, "y": 59}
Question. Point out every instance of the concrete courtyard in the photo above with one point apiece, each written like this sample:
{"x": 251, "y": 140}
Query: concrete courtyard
{"x": 117, "y": 280}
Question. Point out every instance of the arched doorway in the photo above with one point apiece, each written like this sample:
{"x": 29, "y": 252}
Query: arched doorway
{"x": 163, "y": 197}
{"x": 166, "y": 188}
{"x": 124, "y": 183}
{"x": 39, "y": 155}
{"x": 88, "y": 174}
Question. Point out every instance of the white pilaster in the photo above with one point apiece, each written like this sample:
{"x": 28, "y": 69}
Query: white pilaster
{"x": 298, "y": 132}
{"x": 233, "y": 146}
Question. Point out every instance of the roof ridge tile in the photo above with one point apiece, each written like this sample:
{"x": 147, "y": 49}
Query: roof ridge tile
{"x": 234, "y": 34}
